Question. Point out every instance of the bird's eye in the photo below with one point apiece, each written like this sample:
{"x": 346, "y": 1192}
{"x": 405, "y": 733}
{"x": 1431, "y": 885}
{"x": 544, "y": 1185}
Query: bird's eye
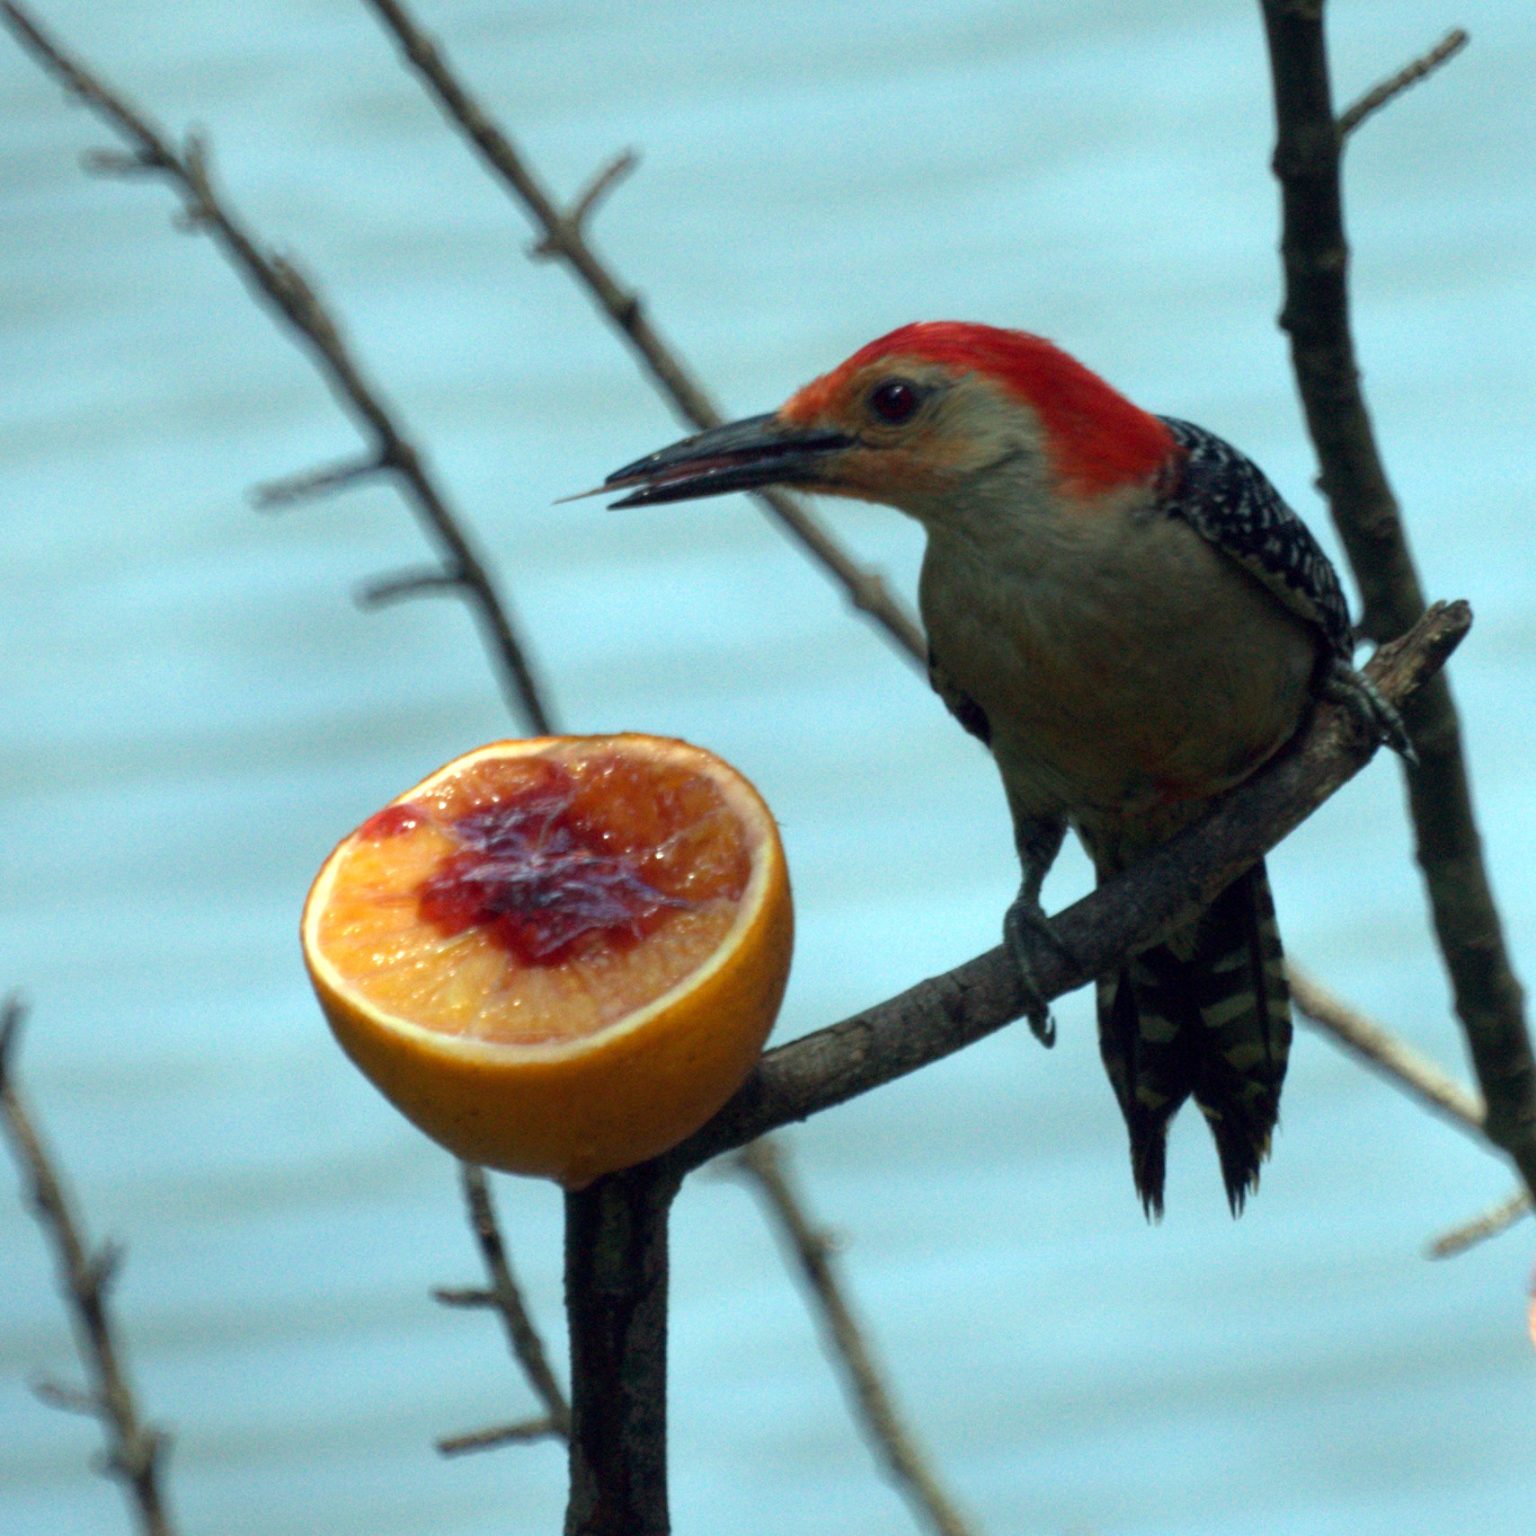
{"x": 895, "y": 401}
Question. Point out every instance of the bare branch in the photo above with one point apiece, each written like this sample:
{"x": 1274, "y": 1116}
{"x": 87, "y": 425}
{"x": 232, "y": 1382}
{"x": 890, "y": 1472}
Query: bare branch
{"x": 294, "y": 299}
{"x": 573, "y": 225}
{"x": 118, "y": 163}
{"x": 564, "y": 236}
{"x": 67, "y": 1399}
{"x": 1490, "y": 1224}
{"x": 416, "y": 583}
{"x": 1409, "y": 75}
{"x": 271, "y": 495}
{"x": 811, "y": 1249}
{"x": 1376, "y": 1045}
{"x": 1489, "y": 998}
{"x": 506, "y": 1298}
{"x": 1421, "y": 1079}
{"x": 497, "y": 1435}
{"x": 134, "y": 1448}
{"x": 946, "y": 1013}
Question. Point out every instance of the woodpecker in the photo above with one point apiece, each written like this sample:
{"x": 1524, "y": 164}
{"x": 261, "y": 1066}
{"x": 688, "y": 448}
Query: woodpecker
{"x": 1128, "y": 615}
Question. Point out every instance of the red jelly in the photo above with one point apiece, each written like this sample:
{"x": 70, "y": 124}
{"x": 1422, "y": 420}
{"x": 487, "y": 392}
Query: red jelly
{"x": 541, "y": 874}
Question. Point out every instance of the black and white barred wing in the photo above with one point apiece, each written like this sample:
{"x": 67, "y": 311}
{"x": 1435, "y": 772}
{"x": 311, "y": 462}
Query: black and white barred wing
{"x": 1228, "y": 500}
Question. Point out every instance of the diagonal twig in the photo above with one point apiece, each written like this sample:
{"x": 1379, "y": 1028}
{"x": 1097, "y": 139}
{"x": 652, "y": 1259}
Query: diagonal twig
{"x": 523, "y": 1432}
{"x": 135, "y": 1448}
{"x": 1392, "y": 1056}
{"x": 506, "y": 1298}
{"x": 1499, "y": 1218}
{"x": 1409, "y": 75}
{"x": 763, "y": 1163}
{"x": 1488, "y": 998}
{"x": 293, "y": 298}
{"x": 563, "y": 235}
{"x": 1421, "y": 1079}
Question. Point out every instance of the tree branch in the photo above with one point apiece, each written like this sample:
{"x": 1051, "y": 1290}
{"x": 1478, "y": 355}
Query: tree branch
{"x": 1409, "y": 75}
{"x": 506, "y": 1298}
{"x": 1420, "y": 1079}
{"x": 763, "y": 1163}
{"x": 616, "y": 1297}
{"x": 564, "y": 237}
{"x": 291, "y": 296}
{"x": 135, "y": 1449}
{"x": 1488, "y": 998}
{"x": 1394, "y": 1058}
{"x": 1491, "y": 1223}
{"x": 945, "y": 1013}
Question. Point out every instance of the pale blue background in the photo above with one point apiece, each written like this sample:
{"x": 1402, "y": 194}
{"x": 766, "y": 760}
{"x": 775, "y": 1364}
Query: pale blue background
{"x": 194, "y": 711}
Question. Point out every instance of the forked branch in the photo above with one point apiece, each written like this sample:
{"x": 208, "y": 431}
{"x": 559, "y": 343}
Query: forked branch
{"x": 135, "y": 1448}
{"x": 563, "y": 236}
{"x": 1488, "y": 997}
{"x": 293, "y": 298}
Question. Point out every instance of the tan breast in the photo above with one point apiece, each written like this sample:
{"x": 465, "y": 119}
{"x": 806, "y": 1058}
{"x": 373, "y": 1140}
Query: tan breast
{"x": 1121, "y": 661}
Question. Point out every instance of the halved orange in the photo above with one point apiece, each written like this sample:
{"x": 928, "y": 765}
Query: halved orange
{"x": 558, "y": 956}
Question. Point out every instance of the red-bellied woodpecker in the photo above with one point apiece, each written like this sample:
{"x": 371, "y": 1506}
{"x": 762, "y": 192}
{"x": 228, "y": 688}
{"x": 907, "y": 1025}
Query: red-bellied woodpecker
{"x": 1124, "y": 610}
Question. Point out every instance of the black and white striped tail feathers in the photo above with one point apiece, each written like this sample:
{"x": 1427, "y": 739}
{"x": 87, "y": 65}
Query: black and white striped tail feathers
{"x": 1205, "y": 1015}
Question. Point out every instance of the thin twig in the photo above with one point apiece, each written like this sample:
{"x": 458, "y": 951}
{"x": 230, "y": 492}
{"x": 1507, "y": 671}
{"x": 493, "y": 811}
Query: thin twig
{"x": 811, "y": 1249}
{"x": 1488, "y": 998}
{"x": 1421, "y": 1079}
{"x": 1490, "y": 1224}
{"x": 506, "y": 1298}
{"x": 524, "y": 1432}
{"x": 323, "y": 481}
{"x": 1171, "y": 885}
{"x": 135, "y": 1448}
{"x": 573, "y": 224}
{"x": 292, "y": 296}
{"x": 1375, "y": 1044}
{"x": 564, "y": 235}
{"x": 1409, "y": 75}
{"x": 427, "y": 582}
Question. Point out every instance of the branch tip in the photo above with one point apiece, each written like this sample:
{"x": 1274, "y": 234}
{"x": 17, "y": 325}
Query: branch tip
{"x": 414, "y": 583}
{"x": 570, "y": 229}
{"x": 1480, "y": 1228}
{"x": 271, "y": 495}
{"x": 67, "y": 1399}
{"x": 1409, "y": 75}
{"x": 464, "y": 1296}
{"x": 12, "y": 1014}
{"x": 524, "y": 1432}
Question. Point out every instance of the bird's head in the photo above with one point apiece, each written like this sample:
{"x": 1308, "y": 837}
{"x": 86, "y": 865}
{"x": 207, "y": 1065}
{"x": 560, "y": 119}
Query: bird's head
{"x": 933, "y": 418}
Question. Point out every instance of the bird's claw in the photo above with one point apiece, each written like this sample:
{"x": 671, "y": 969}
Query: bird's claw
{"x": 1026, "y": 920}
{"x": 1360, "y": 695}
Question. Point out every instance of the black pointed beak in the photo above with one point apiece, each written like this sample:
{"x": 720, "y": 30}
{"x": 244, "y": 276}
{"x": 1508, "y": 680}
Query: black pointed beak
{"x": 740, "y": 456}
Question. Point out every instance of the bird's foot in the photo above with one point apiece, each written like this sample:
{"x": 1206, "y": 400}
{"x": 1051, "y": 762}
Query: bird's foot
{"x": 1360, "y": 695}
{"x": 1026, "y": 920}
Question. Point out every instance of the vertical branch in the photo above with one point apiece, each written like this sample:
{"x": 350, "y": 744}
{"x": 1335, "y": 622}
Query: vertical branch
{"x": 134, "y": 1448}
{"x": 1488, "y": 997}
{"x": 616, "y": 1296}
